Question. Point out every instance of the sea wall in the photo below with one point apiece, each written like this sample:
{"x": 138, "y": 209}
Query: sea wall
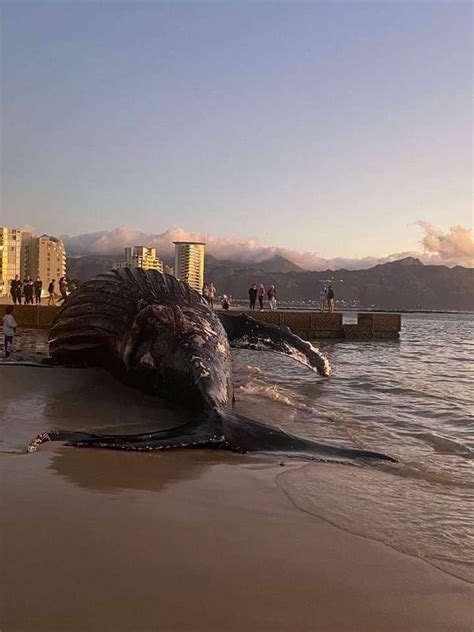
{"x": 33, "y": 316}
{"x": 317, "y": 325}
{"x": 310, "y": 325}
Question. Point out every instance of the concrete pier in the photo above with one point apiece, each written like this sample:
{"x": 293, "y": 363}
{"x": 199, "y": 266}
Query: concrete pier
{"x": 33, "y": 316}
{"x": 318, "y": 325}
{"x": 309, "y": 325}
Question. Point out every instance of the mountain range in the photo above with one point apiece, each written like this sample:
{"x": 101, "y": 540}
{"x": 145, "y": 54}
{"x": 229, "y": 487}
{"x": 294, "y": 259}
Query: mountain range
{"x": 403, "y": 284}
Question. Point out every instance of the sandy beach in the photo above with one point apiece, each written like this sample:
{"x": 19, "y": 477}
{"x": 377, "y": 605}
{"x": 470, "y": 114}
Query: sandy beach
{"x": 183, "y": 540}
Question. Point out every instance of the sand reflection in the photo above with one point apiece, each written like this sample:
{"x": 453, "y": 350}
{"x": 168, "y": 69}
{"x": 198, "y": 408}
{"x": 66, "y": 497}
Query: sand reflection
{"x": 113, "y": 471}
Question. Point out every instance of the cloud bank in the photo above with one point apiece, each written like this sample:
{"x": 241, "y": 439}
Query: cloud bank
{"x": 453, "y": 247}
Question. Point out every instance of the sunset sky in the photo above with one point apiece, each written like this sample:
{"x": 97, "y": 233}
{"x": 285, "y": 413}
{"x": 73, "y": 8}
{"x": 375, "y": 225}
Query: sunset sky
{"x": 327, "y": 126}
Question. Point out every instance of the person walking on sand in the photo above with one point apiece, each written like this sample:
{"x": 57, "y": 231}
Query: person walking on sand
{"x": 272, "y": 298}
{"x": 261, "y": 295}
{"x": 38, "y": 288}
{"x": 52, "y": 292}
{"x": 15, "y": 290}
{"x": 9, "y": 329}
{"x": 330, "y": 299}
{"x": 212, "y": 294}
{"x": 322, "y": 298}
{"x": 253, "y": 295}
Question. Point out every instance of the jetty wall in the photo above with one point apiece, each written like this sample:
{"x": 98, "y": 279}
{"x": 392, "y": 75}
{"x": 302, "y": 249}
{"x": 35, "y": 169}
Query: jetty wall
{"x": 33, "y": 316}
{"x": 309, "y": 325}
{"x": 317, "y": 325}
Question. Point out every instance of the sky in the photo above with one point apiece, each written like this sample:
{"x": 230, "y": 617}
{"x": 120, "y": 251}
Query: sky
{"x": 326, "y": 127}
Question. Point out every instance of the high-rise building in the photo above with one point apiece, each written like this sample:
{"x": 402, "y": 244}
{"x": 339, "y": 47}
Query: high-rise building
{"x": 29, "y": 254}
{"x": 10, "y": 257}
{"x": 141, "y": 257}
{"x": 189, "y": 263}
{"x": 43, "y": 257}
{"x": 50, "y": 262}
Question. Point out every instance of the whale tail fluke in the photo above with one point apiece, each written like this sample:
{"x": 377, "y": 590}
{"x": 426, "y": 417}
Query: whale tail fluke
{"x": 247, "y": 435}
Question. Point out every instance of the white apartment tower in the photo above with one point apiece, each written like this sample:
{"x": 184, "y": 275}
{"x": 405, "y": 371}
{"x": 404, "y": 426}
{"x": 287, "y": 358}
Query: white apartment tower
{"x": 189, "y": 263}
{"x": 10, "y": 257}
{"x": 141, "y": 257}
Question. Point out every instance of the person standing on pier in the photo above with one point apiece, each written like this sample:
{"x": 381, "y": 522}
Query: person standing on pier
{"x": 212, "y": 294}
{"x": 253, "y": 295}
{"x": 272, "y": 298}
{"x": 330, "y": 299}
{"x": 15, "y": 290}
{"x": 261, "y": 295}
{"x": 52, "y": 292}
{"x": 38, "y": 288}
{"x": 9, "y": 328}
{"x": 205, "y": 292}
{"x": 63, "y": 288}
{"x": 28, "y": 290}
{"x": 323, "y": 298}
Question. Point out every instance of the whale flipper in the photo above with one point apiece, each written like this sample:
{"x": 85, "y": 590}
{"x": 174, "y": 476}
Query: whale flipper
{"x": 245, "y": 332}
{"x": 189, "y": 435}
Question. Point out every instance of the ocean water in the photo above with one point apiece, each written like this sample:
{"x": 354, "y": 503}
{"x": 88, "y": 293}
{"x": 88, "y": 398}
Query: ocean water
{"x": 410, "y": 398}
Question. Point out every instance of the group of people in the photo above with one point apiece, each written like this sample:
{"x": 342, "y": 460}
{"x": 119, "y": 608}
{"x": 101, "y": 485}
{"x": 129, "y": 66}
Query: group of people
{"x": 63, "y": 291}
{"x": 29, "y": 289}
{"x": 260, "y": 293}
{"x": 326, "y": 298}
{"x": 32, "y": 290}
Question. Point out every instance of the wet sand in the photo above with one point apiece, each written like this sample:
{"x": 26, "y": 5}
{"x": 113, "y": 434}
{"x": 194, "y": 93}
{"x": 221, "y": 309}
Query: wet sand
{"x": 183, "y": 540}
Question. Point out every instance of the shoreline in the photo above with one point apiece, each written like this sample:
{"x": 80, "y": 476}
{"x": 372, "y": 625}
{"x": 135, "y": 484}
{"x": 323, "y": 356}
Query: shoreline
{"x": 206, "y": 543}
{"x": 184, "y": 540}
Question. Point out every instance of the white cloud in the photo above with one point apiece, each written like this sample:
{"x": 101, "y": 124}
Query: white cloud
{"x": 454, "y": 247}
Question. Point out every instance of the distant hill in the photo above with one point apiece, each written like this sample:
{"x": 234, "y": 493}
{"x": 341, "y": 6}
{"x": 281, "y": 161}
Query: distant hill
{"x": 276, "y": 264}
{"x": 86, "y": 267}
{"x": 403, "y": 284}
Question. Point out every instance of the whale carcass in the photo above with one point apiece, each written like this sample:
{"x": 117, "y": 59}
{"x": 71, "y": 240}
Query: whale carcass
{"x": 157, "y": 334}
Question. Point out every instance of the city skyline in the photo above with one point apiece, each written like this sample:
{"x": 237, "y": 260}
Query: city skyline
{"x": 452, "y": 247}
{"x": 328, "y": 128}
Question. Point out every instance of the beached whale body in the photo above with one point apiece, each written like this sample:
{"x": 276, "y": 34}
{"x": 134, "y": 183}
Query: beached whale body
{"x": 159, "y": 335}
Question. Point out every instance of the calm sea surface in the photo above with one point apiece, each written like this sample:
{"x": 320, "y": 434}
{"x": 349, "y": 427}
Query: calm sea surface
{"x": 410, "y": 398}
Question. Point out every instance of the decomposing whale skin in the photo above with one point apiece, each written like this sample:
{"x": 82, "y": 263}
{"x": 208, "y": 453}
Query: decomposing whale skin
{"x": 158, "y": 334}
